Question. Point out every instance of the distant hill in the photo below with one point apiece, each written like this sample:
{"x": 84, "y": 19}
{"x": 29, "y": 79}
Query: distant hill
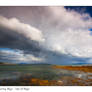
{"x": 1, "y": 63}
{"x": 6, "y": 63}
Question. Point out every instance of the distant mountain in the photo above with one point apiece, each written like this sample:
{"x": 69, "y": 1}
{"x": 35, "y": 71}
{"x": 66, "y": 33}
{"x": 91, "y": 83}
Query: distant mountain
{"x": 23, "y": 63}
{"x": 82, "y": 64}
{"x": 6, "y": 63}
{"x": 34, "y": 63}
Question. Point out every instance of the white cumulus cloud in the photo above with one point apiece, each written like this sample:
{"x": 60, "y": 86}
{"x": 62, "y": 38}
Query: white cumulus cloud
{"x": 68, "y": 32}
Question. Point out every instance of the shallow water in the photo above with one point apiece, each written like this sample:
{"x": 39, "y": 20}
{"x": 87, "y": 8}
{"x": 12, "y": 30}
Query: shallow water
{"x": 46, "y": 72}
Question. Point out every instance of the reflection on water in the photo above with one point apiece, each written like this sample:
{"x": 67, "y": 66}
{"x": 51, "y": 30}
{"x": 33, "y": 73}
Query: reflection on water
{"x": 45, "y": 73}
{"x": 9, "y": 75}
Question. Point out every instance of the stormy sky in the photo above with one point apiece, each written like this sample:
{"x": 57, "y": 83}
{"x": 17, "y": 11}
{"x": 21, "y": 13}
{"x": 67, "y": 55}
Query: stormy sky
{"x": 53, "y": 35}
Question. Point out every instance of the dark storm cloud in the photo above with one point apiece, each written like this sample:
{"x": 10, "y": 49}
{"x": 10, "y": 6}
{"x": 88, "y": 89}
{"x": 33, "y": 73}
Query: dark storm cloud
{"x": 16, "y": 35}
